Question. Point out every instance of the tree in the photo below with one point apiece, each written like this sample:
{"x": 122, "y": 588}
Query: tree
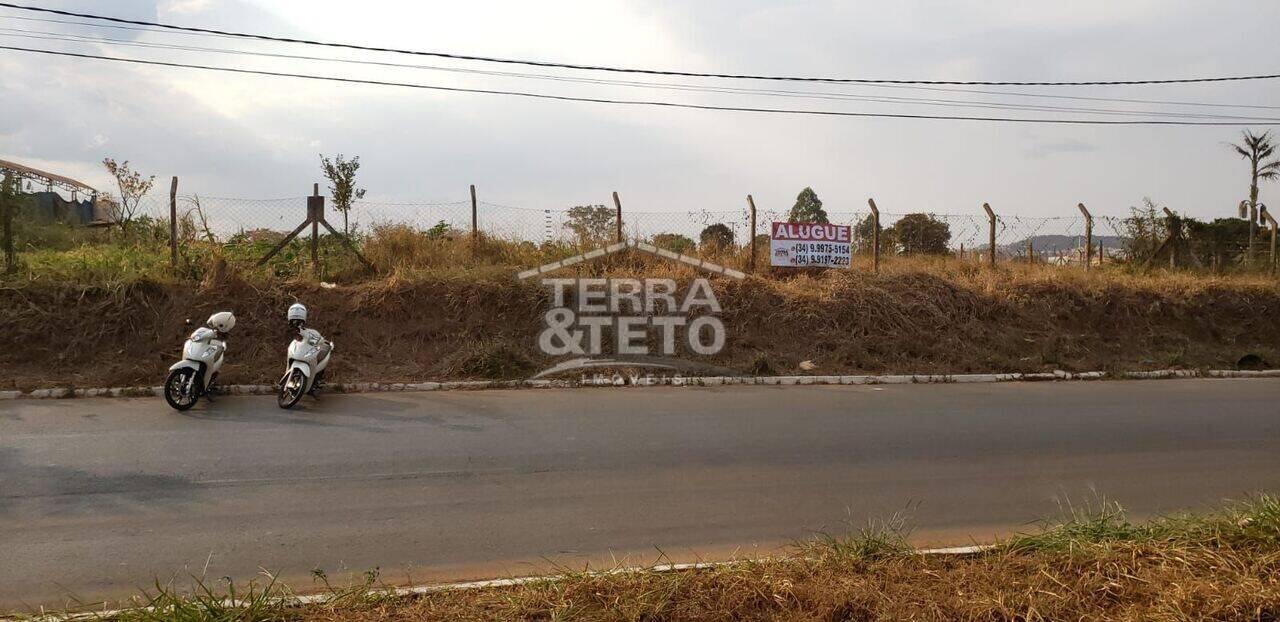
{"x": 341, "y": 174}
{"x": 1145, "y": 230}
{"x": 592, "y": 224}
{"x": 921, "y": 234}
{"x": 1258, "y": 150}
{"x": 132, "y": 188}
{"x": 864, "y": 234}
{"x": 808, "y": 208}
{"x": 716, "y": 237}
{"x": 674, "y": 242}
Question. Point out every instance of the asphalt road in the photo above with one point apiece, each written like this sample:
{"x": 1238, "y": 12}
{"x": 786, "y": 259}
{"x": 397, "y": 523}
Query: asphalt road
{"x": 100, "y": 497}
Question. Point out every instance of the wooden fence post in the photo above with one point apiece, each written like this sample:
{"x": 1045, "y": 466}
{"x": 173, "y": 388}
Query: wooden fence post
{"x": 474, "y": 221}
{"x": 875, "y": 236}
{"x": 1175, "y": 234}
{"x": 1088, "y": 235}
{"x": 1102, "y": 253}
{"x": 618, "y": 204}
{"x": 173, "y": 223}
{"x": 991, "y": 238}
{"x": 1031, "y": 258}
{"x": 751, "y": 263}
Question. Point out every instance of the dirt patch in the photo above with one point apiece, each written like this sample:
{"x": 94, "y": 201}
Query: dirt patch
{"x": 457, "y": 328}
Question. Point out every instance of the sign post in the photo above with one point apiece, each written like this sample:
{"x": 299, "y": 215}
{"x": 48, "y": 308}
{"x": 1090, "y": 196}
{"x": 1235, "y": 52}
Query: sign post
{"x": 810, "y": 244}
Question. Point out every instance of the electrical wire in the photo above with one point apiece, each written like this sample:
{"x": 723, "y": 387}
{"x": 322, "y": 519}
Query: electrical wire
{"x": 662, "y": 72}
{"x": 939, "y": 89}
{"x": 632, "y": 102}
{"x": 949, "y": 103}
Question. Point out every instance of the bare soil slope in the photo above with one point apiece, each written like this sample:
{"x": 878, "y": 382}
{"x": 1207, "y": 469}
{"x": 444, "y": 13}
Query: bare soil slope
{"x": 443, "y": 328}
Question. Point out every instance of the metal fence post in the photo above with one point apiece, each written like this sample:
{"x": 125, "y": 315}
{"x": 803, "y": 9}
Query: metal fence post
{"x": 618, "y": 204}
{"x": 751, "y": 263}
{"x": 991, "y": 238}
{"x": 1088, "y": 235}
{"x": 875, "y": 236}
{"x": 173, "y": 223}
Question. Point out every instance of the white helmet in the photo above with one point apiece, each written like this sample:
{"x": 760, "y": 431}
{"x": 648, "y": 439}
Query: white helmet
{"x": 222, "y": 322}
{"x": 297, "y": 311}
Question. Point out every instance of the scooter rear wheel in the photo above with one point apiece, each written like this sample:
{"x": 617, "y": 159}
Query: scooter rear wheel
{"x": 291, "y": 389}
{"x": 180, "y": 390}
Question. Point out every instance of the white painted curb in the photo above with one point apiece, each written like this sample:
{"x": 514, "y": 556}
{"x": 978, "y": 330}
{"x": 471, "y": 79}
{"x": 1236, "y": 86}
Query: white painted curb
{"x": 674, "y": 381}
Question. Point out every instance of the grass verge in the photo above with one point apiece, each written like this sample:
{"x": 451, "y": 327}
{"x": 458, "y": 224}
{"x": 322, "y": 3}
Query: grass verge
{"x": 1093, "y": 565}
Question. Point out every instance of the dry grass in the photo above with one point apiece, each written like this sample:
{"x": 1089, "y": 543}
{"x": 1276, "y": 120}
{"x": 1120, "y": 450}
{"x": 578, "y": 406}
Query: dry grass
{"x": 1092, "y": 566}
{"x": 918, "y": 316}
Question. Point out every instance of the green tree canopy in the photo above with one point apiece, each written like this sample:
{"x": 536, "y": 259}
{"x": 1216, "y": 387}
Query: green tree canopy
{"x": 716, "y": 237}
{"x": 674, "y": 242}
{"x": 808, "y": 208}
{"x": 341, "y": 174}
{"x": 591, "y": 224}
{"x": 921, "y": 234}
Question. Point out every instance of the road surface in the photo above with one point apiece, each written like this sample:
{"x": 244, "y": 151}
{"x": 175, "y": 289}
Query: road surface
{"x": 99, "y": 497}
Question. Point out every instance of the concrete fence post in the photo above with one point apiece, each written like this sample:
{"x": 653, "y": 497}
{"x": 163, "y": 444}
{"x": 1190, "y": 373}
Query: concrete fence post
{"x": 173, "y": 223}
{"x": 315, "y": 211}
{"x": 991, "y": 237}
{"x": 1175, "y": 234}
{"x": 475, "y": 221}
{"x": 875, "y": 236}
{"x": 618, "y": 204}
{"x": 1271, "y": 220}
{"x": 1088, "y": 235}
{"x": 751, "y": 262}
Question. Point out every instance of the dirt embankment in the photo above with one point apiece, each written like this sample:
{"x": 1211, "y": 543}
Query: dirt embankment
{"x": 398, "y": 330}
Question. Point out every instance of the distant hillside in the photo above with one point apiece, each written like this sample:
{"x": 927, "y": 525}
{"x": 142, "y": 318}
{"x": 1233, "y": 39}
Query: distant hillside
{"x": 1055, "y": 243}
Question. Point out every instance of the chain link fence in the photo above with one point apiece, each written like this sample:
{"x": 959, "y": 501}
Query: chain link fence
{"x": 250, "y": 228}
{"x": 233, "y": 220}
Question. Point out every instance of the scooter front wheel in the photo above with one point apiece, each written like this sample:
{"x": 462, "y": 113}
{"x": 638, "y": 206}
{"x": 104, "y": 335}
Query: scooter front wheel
{"x": 180, "y": 390}
{"x": 291, "y": 389}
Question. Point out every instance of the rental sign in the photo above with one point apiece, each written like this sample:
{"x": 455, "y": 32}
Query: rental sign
{"x": 805, "y": 244}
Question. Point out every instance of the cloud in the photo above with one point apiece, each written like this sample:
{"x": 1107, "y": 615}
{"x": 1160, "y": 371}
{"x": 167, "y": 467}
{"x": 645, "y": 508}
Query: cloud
{"x": 1045, "y": 149}
{"x": 255, "y": 136}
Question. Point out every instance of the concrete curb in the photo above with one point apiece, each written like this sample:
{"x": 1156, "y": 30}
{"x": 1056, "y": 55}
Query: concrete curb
{"x": 674, "y": 381}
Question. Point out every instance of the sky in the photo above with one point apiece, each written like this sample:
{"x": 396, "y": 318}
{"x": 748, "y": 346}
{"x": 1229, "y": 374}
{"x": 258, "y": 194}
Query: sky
{"x": 260, "y": 137}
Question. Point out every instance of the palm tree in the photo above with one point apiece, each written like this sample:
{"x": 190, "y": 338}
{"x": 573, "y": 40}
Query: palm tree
{"x": 1259, "y": 151}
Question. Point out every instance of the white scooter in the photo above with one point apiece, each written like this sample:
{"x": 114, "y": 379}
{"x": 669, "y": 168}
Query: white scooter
{"x": 202, "y": 357}
{"x": 309, "y": 355}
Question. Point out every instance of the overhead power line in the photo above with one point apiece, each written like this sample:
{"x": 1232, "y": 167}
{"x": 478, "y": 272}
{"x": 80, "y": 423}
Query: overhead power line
{"x": 660, "y": 72}
{"x": 821, "y": 95}
{"x": 936, "y": 89}
{"x": 632, "y": 102}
